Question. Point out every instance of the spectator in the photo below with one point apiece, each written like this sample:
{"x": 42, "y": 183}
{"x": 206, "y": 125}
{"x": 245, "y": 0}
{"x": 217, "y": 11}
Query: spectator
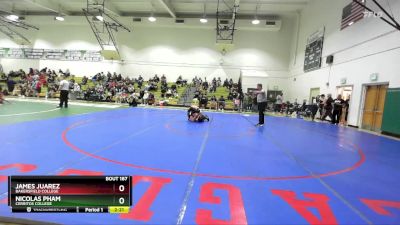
{"x": 321, "y": 102}
{"x": 169, "y": 93}
{"x": 221, "y": 103}
{"x": 38, "y": 88}
{"x": 328, "y": 108}
{"x": 261, "y": 103}
{"x": 236, "y": 103}
{"x": 278, "y": 103}
{"x": 151, "y": 99}
{"x": 213, "y": 102}
{"x": 226, "y": 83}
{"x": 145, "y": 98}
{"x": 346, "y": 107}
{"x": 203, "y": 101}
{"x": 1, "y": 95}
{"x": 337, "y": 109}
{"x": 10, "y": 84}
{"x": 249, "y": 102}
{"x": 77, "y": 88}
{"x": 84, "y": 80}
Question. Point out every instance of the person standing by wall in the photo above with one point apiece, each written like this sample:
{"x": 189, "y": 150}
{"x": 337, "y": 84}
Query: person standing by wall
{"x": 261, "y": 103}
{"x": 337, "y": 109}
{"x": 278, "y": 103}
{"x": 328, "y": 108}
{"x": 64, "y": 90}
{"x": 321, "y": 102}
{"x": 346, "y": 105}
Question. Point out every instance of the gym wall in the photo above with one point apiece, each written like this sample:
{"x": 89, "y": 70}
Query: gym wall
{"x": 171, "y": 50}
{"x": 368, "y": 46}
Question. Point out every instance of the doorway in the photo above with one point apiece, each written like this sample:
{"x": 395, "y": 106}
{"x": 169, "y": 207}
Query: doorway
{"x": 374, "y": 104}
{"x": 345, "y": 92}
{"x": 314, "y": 92}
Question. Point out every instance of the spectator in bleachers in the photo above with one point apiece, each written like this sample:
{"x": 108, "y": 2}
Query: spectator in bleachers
{"x": 219, "y": 82}
{"x": 151, "y": 99}
{"x": 205, "y": 84}
{"x": 51, "y": 90}
{"x": 226, "y": 83}
{"x": 213, "y": 102}
{"x": 38, "y": 88}
{"x": 179, "y": 81}
{"x": 213, "y": 87}
{"x": 164, "y": 90}
{"x": 145, "y": 97}
{"x": 196, "y": 94}
{"x": 77, "y": 88}
{"x": 133, "y": 100}
{"x": 84, "y": 80}
{"x": 203, "y": 101}
{"x": 221, "y": 103}
{"x": 1, "y": 95}
{"x": 108, "y": 87}
{"x": 10, "y": 84}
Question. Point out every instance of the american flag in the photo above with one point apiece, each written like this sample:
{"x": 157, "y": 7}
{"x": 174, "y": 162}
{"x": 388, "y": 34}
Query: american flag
{"x": 352, "y": 13}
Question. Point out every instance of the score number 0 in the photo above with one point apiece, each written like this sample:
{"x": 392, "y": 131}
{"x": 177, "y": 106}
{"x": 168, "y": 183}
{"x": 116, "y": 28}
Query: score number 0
{"x": 121, "y": 200}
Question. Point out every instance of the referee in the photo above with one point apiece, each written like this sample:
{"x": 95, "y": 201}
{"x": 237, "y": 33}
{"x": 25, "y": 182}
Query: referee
{"x": 64, "y": 88}
{"x": 261, "y": 104}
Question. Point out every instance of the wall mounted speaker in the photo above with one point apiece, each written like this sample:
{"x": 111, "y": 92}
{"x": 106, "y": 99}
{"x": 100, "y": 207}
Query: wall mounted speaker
{"x": 329, "y": 59}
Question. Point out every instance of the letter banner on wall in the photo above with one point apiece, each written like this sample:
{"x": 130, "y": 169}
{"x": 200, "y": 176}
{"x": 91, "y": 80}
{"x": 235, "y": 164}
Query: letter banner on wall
{"x": 51, "y": 54}
{"x": 313, "y": 53}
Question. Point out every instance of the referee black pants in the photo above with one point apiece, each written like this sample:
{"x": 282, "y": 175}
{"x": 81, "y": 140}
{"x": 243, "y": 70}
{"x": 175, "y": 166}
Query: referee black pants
{"x": 261, "y": 109}
{"x": 64, "y": 98}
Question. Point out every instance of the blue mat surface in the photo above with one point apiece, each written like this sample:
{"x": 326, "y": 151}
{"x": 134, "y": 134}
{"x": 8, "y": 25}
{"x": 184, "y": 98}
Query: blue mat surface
{"x": 223, "y": 172}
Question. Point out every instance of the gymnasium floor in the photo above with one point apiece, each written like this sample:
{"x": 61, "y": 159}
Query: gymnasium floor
{"x": 223, "y": 172}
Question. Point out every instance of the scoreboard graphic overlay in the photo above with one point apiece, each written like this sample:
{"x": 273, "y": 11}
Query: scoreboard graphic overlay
{"x": 70, "y": 194}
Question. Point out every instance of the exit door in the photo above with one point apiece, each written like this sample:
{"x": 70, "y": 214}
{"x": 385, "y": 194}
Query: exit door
{"x": 373, "y": 107}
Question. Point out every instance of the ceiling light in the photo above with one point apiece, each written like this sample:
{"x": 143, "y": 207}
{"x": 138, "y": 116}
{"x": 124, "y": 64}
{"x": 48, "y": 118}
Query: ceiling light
{"x": 12, "y": 17}
{"x": 203, "y": 20}
{"x": 255, "y": 21}
{"x": 351, "y": 23}
{"x": 59, "y": 18}
{"x": 152, "y": 19}
{"x": 100, "y": 18}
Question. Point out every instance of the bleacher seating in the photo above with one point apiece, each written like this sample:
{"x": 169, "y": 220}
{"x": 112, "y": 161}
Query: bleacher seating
{"x": 221, "y": 91}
